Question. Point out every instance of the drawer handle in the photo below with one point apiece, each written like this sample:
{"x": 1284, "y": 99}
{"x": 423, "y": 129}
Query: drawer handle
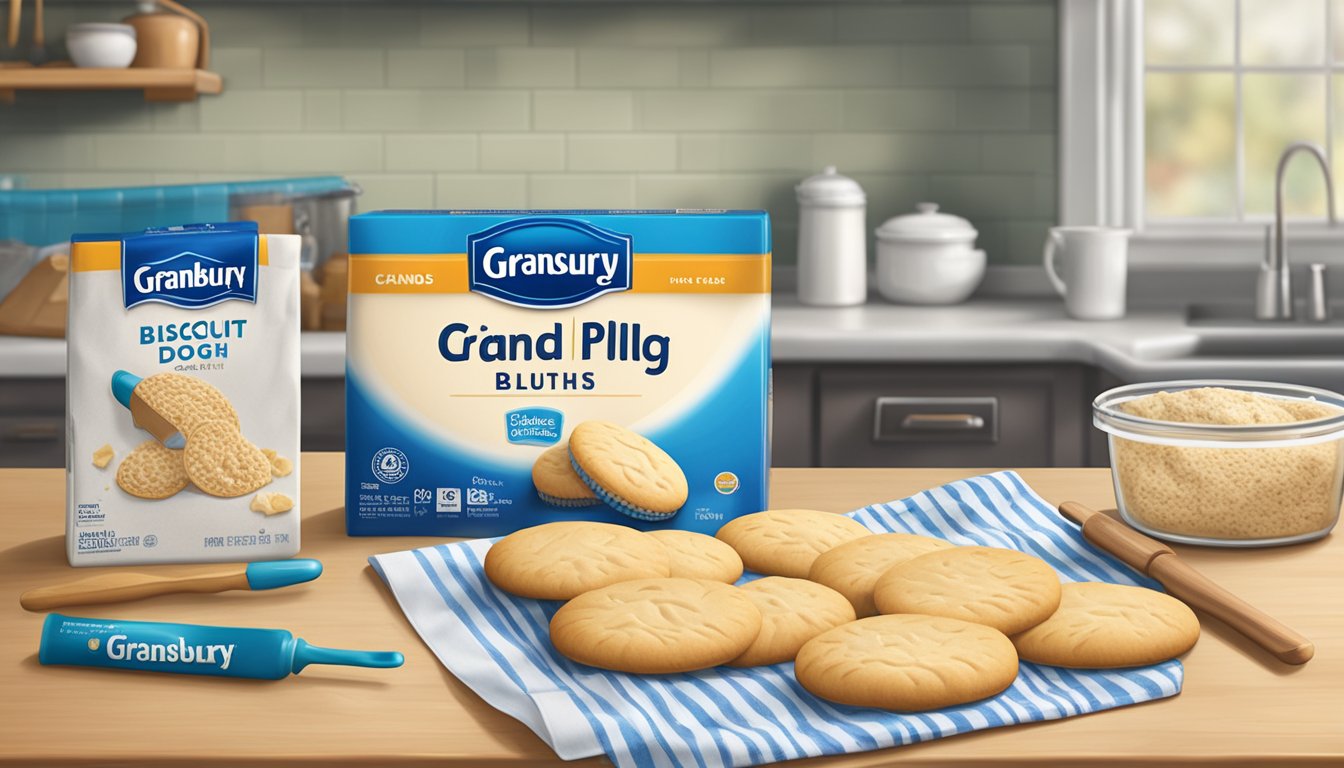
{"x": 943, "y": 422}
{"x": 34, "y": 433}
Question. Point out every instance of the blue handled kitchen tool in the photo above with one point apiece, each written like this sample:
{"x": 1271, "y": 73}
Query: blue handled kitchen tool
{"x": 121, "y": 586}
{"x": 144, "y": 417}
{"x": 191, "y": 649}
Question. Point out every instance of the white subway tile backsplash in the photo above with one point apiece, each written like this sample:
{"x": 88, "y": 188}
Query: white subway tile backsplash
{"x": 582, "y": 110}
{"x": 435, "y": 110}
{"x": 1010, "y": 22}
{"x": 896, "y": 109}
{"x": 898, "y": 151}
{"x": 628, "y": 68}
{"x": 569, "y": 104}
{"x": 467, "y": 190}
{"x": 273, "y": 110}
{"x": 966, "y": 65}
{"x": 521, "y": 68}
{"x": 904, "y": 23}
{"x": 622, "y": 152}
{"x": 732, "y": 110}
{"x": 523, "y": 152}
{"x": 426, "y": 68}
{"x": 386, "y": 190}
{"x": 804, "y": 67}
{"x": 287, "y": 67}
{"x": 430, "y": 152}
{"x": 574, "y": 190}
{"x": 464, "y": 25}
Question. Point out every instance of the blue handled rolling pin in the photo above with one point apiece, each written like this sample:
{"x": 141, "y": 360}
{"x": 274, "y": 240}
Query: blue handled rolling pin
{"x": 122, "y": 586}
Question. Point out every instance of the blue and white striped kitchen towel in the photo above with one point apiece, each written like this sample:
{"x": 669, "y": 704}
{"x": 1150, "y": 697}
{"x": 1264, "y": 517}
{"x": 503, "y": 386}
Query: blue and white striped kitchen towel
{"x": 498, "y": 645}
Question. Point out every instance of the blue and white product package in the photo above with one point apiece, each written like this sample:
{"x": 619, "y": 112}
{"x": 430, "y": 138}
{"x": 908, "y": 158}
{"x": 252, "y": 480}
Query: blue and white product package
{"x": 477, "y": 341}
{"x": 183, "y": 396}
{"x": 191, "y": 649}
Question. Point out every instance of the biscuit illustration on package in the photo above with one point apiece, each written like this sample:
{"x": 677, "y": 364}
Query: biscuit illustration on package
{"x": 556, "y": 481}
{"x": 697, "y": 556}
{"x": 184, "y": 401}
{"x": 559, "y": 561}
{"x": 221, "y": 462}
{"x": 280, "y": 466}
{"x": 152, "y": 471}
{"x": 657, "y": 626}
{"x": 183, "y": 348}
{"x": 907, "y": 663}
{"x": 793, "y": 611}
{"x": 1110, "y": 625}
{"x": 271, "y": 503}
{"x": 627, "y": 471}
{"x": 103, "y": 456}
{"x": 785, "y": 542}
{"x": 1005, "y": 589}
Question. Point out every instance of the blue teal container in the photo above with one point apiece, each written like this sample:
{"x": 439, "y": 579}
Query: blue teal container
{"x": 191, "y": 649}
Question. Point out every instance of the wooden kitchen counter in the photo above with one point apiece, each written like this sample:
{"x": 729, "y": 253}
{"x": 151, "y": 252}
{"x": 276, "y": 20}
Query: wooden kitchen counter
{"x": 1239, "y": 707}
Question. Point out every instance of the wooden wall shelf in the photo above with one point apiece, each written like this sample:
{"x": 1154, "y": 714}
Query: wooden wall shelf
{"x": 158, "y": 84}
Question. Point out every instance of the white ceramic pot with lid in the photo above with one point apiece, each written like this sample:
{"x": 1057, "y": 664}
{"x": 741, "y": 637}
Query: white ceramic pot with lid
{"x": 832, "y": 241}
{"x": 928, "y": 257}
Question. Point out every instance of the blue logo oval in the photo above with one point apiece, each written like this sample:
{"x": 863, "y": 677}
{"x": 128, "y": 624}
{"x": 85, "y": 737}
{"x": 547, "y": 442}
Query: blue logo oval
{"x": 548, "y": 263}
{"x": 196, "y": 266}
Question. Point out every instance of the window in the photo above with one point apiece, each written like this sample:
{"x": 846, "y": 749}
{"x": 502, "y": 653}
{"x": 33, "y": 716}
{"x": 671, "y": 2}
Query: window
{"x": 1227, "y": 84}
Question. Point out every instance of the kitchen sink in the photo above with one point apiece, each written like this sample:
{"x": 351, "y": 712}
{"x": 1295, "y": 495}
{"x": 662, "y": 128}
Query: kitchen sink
{"x": 1243, "y": 316}
{"x": 1315, "y": 346}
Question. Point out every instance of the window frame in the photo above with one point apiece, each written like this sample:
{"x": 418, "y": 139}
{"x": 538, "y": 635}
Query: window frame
{"x": 1101, "y": 150}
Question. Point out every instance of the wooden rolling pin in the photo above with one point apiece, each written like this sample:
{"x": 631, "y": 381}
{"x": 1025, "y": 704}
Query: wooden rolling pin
{"x": 122, "y": 586}
{"x": 1155, "y": 559}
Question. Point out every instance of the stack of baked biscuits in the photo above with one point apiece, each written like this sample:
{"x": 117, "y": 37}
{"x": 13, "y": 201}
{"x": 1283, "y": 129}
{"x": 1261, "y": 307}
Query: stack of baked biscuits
{"x": 896, "y": 621}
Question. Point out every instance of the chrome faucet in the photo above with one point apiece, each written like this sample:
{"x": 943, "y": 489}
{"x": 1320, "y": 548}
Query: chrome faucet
{"x": 1274, "y": 288}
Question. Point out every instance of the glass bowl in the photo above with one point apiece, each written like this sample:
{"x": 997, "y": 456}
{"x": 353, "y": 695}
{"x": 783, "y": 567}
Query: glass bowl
{"x": 1248, "y": 485}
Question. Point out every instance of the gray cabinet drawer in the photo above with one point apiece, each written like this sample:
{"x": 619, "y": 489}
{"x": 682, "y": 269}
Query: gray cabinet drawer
{"x": 793, "y": 438}
{"x": 36, "y": 440}
{"x": 950, "y": 416}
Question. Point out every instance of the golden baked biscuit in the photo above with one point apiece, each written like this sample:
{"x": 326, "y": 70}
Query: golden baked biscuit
{"x": 558, "y": 561}
{"x": 627, "y": 471}
{"x": 656, "y": 626}
{"x": 697, "y": 556}
{"x": 907, "y": 663}
{"x": 1110, "y": 625}
{"x": 785, "y": 542}
{"x": 852, "y": 569}
{"x": 1002, "y": 588}
{"x": 793, "y": 611}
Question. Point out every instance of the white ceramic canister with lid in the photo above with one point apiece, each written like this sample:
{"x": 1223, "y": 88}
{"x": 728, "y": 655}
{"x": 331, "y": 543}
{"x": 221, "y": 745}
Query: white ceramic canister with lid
{"x": 832, "y": 241}
{"x": 928, "y": 257}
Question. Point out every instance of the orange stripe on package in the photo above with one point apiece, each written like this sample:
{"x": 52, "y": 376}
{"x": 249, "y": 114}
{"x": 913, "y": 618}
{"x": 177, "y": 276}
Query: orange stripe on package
{"x": 510, "y": 368}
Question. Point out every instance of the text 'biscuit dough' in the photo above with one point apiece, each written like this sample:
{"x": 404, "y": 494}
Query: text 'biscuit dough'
{"x": 656, "y": 626}
{"x": 558, "y": 561}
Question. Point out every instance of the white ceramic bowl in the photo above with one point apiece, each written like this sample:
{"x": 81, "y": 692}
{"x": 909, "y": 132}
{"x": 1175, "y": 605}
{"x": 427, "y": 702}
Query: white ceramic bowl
{"x": 102, "y": 45}
{"x": 936, "y": 274}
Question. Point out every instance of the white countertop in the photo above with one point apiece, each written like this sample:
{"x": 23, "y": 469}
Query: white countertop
{"x": 1146, "y": 345}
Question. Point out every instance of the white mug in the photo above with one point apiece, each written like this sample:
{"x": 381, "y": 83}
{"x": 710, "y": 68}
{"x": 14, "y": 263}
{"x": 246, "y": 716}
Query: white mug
{"x": 1095, "y": 264}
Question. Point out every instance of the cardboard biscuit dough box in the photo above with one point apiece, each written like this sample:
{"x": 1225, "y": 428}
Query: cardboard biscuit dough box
{"x": 183, "y": 396}
{"x": 511, "y": 368}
